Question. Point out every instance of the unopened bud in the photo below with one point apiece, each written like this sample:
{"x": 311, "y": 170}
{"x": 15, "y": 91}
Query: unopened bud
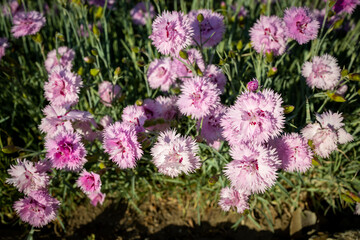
{"x": 269, "y": 56}
{"x": 344, "y": 72}
{"x": 231, "y": 54}
{"x": 354, "y": 76}
{"x": 200, "y": 17}
{"x": 139, "y": 102}
{"x": 80, "y": 72}
{"x": 183, "y": 54}
{"x": 272, "y": 72}
{"x": 223, "y": 5}
{"x": 253, "y": 85}
{"x": 213, "y": 180}
{"x": 239, "y": 45}
{"x": 89, "y": 59}
{"x": 117, "y": 71}
{"x": 198, "y": 71}
{"x": 94, "y": 52}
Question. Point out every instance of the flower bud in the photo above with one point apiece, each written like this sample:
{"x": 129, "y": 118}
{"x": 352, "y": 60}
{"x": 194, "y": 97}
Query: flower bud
{"x": 354, "y": 76}
{"x": 183, "y": 54}
{"x": 253, "y": 85}
{"x": 139, "y": 102}
{"x": 117, "y": 71}
{"x": 344, "y": 72}
{"x": 89, "y": 59}
{"x": 94, "y": 52}
{"x": 200, "y": 17}
{"x": 272, "y": 72}
{"x": 269, "y": 56}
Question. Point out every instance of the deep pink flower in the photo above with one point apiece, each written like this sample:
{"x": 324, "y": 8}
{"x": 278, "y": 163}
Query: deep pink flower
{"x": 216, "y": 76}
{"x": 232, "y": 198}
{"x": 253, "y": 85}
{"x": 194, "y": 58}
{"x": 66, "y": 57}
{"x": 108, "y": 92}
{"x": 38, "y": 209}
{"x": 120, "y": 142}
{"x": 66, "y": 151}
{"x": 136, "y": 116}
{"x": 96, "y": 198}
{"x": 301, "y": 24}
{"x": 89, "y": 182}
{"x": 27, "y": 23}
{"x": 253, "y": 168}
{"x": 211, "y": 129}
{"x": 171, "y": 32}
{"x": 255, "y": 117}
{"x": 323, "y": 72}
{"x": 141, "y": 12}
{"x": 174, "y": 154}
{"x": 268, "y": 35}
{"x": 198, "y": 97}
{"x": 3, "y": 45}
{"x": 161, "y": 74}
{"x": 210, "y": 31}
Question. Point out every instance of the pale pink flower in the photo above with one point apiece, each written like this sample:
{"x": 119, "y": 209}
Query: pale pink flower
{"x": 173, "y": 154}
{"x": 198, "y": 97}
{"x": 268, "y": 35}
{"x": 38, "y": 209}
{"x": 120, "y": 142}
{"x": 142, "y": 12}
{"x": 168, "y": 109}
{"x": 216, "y": 76}
{"x": 66, "y": 56}
{"x": 171, "y": 32}
{"x": 255, "y": 117}
{"x": 341, "y": 90}
{"x": 161, "y": 74}
{"x": 108, "y": 92}
{"x": 211, "y": 129}
{"x": 27, "y": 23}
{"x": 89, "y": 182}
{"x": 323, "y": 72}
{"x": 301, "y": 24}
{"x": 134, "y": 115}
{"x": 232, "y": 198}
{"x": 194, "y": 58}
{"x": 96, "y": 198}
{"x": 253, "y": 85}
{"x": 253, "y": 168}
{"x": 3, "y": 45}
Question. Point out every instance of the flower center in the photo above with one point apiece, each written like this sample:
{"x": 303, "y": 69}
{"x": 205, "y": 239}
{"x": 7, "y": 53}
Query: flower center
{"x": 320, "y": 70}
{"x": 267, "y": 32}
{"x": 161, "y": 72}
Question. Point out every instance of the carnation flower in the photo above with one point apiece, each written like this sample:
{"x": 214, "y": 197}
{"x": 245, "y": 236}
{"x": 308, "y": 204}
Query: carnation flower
{"x": 135, "y": 116}
{"x": 106, "y": 121}
{"x": 160, "y": 74}
{"x": 194, "y": 58}
{"x": 27, "y": 23}
{"x": 12, "y": 8}
{"x": 269, "y": 35}
{"x": 171, "y": 32}
{"x": 167, "y": 107}
{"x": 210, "y": 31}
{"x": 66, "y": 151}
{"x": 3, "y": 45}
{"x": 108, "y": 92}
{"x": 253, "y": 168}
{"x": 216, "y": 76}
{"x": 293, "y": 151}
{"x": 120, "y": 142}
{"x": 211, "y": 129}
{"x": 232, "y": 198}
{"x": 27, "y": 176}
{"x": 327, "y": 133}
{"x": 101, "y": 3}
{"x": 255, "y": 117}
{"x": 66, "y": 56}
{"x": 62, "y": 87}
{"x": 174, "y": 154}
{"x": 198, "y": 97}
{"x": 301, "y": 24}
{"x": 323, "y": 72}
{"x": 96, "y": 198}
{"x": 252, "y": 85}
{"x": 347, "y": 6}
{"x": 141, "y": 12}
{"x": 38, "y": 209}
{"x": 89, "y": 182}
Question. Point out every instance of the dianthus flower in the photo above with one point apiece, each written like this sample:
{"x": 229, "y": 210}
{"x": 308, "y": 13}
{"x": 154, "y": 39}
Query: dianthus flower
{"x": 232, "y": 198}
{"x": 293, "y": 151}
{"x": 216, "y": 76}
{"x": 108, "y": 92}
{"x": 101, "y": 3}
{"x": 96, "y": 198}
{"x": 173, "y": 154}
{"x": 3, "y": 45}
{"x": 27, "y": 23}
{"x": 255, "y": 117}
{"x": 12, "y": 9}
{"x": 253, "y": 85}
{"x": 210, "y": 31}
{"x": 66, "y": 151}
{"x": 323, "y": 72}
{"x": 167, "y": 107}
{"x": 38, "y": 209}
{"x": 327, "y": 133}
{"x": 347, "y": 6}
{"x": 268, "y": 35}
{"x": 160, "y": 74}
{"x": 171, "y": 32}
{"x": 27, "y": 176}
{"x": 141, "y": 12}
{"x": 253, "y": 168}
{"x": 89, "y": 182}
{"x": 66, "y": 57}
{"x": 62, "y": 87}
{"x": 198, "y": 97}
{"x": 211, "y": 129}
{"x": 134, "y": 115}
{"x": 120, "y": 142}
{"x": 194, "y": 58}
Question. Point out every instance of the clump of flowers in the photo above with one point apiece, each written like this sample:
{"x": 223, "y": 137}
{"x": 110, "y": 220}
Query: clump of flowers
{"x": 174, "y": 154}
{"x": 3, "y": 45}
{"x": 194, "y": 59}
{"x": 66, "y": 57}
{"x": 27, "y": 23}
{"x": 216, "y": 76}
{"x": 141, "y": 12}
{"x": 108, "y": 92}
{"x": 232, "y": 198}
{"x": 161, "y": 74}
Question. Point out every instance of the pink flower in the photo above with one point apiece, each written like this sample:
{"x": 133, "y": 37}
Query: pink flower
{"x": 255, "y": 117}
{"x": 194, "y": 58}
{"x": 62, "y": 87}
{"x": 216, "y": 76}
{"x": 3, "y": 45}
{"x": 253, "y": 168}
{"x": 38, "y": 209}
{"x": 171, "y": 32}
{"x": 120, "y": 142}
{"x": 12, "y": 9}
{"x": 161, "y": 74}
{"x": 268, "y": 34}
{"x": 89, "y": 182}
{"x": 108, "y": 92}
{"x": 167, "y": 107}
{"x": 327, "y": 133}
{"x": 141, "y": 12}
{"x": 106, "y": 121}
{"x": 301, "y": 24}
{"x": 293, "y": 151}
{"x": 66, "y": 56}
{"x": 134, "y": 115}
{"x": 232, "y": 198}
{"x": 173, "y": 154}
{"x": 252, "y": 85}
{"x": 323, "y": 72}
{"x": 101, "y": 3}
{"x": 210, "y": 31}
{"x": 341, "y": 90}
{"x": 28, "y": 176}
{"x": 96, "y": 198}
{"x": 27, "y": 23}
{"x": 151, "y": 108}
{"x": 211, "y": 129}
{"x": 66, "y": 151}
{"x": 347, "y": 6}
{"x": 198, "y": 97}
